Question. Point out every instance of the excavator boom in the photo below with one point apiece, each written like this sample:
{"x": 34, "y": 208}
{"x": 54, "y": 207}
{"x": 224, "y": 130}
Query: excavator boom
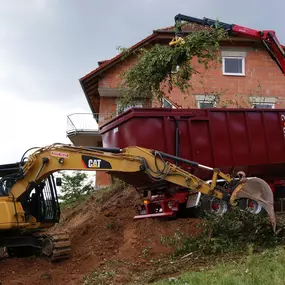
{"x": 26, "y": 205}
{"x": 127, "y": 163}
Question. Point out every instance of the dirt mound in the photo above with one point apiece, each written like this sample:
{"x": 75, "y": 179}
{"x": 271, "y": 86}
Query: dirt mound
{"x": 107, "y": 244}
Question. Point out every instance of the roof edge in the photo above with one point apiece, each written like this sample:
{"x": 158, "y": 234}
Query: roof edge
{"x": 87, "y": 97}
{"x": 111, "y": 61}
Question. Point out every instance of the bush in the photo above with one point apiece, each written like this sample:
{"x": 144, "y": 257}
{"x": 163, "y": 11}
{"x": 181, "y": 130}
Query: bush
{"x": 233, "y": 231}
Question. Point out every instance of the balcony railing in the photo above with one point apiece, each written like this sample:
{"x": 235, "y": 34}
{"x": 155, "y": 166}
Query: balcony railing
{"x": 86, "y": 122}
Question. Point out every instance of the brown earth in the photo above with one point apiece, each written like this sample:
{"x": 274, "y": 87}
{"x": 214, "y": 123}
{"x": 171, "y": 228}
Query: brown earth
{"x": 107, "y": 245}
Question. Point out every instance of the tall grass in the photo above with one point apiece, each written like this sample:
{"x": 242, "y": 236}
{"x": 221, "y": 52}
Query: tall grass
{"x": 266, "y": 268}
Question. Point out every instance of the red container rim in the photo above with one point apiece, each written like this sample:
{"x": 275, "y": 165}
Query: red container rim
{"x": 169, "y": 112}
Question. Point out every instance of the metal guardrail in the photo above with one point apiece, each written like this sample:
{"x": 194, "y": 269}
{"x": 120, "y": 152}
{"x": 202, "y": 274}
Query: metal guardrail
{"x": 86, "y": 122}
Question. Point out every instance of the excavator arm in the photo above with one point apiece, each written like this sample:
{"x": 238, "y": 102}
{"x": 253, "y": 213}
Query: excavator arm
{"x": 135, "y": 165}
{"x": 22, "y": 209}
{"x": 126, "y": 163}
{"x": 267, "y": 37}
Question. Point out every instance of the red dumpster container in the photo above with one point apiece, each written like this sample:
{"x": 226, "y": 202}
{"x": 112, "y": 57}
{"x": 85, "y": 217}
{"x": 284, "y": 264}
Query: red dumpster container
{"x": 252, "y": 140}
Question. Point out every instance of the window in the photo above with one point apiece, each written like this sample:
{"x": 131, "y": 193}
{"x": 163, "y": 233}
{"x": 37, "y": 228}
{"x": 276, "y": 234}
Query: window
{"x": 203, "y": 105}
{"x": 205, "y": 101}
{"x": 167, "y": 104}
{"x": 263, "y": 105}
{"x": 263, "y": 102}
{"x": 234, "y": 65}
{"x": 121, "y": 110}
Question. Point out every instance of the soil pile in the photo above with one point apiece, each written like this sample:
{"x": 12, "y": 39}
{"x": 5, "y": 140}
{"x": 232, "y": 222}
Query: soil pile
{"x": 108, "y": 246}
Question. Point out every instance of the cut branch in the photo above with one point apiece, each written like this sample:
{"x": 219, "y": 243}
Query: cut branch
{"x": 153, "y": 74}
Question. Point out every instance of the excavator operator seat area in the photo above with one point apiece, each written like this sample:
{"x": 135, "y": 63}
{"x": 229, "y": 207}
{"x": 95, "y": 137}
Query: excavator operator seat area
{"x": 42, "y": 202}
{"x": 6, "y": 171}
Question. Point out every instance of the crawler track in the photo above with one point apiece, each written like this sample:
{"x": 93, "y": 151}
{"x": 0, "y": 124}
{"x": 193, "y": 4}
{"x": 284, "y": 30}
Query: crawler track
{"x": 56, "y": 246}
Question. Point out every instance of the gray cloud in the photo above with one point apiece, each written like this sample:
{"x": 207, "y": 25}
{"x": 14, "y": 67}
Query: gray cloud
{"x": 46, "y": 45}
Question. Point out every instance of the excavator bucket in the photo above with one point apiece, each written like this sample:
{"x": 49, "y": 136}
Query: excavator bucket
{"x": 258, "y": 190}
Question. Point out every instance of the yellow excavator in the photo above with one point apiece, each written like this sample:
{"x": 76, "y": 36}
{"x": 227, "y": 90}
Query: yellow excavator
{"x": 29, "y": 203}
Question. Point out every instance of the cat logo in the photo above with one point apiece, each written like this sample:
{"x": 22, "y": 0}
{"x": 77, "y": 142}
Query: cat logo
{"x": 94, "y": 163}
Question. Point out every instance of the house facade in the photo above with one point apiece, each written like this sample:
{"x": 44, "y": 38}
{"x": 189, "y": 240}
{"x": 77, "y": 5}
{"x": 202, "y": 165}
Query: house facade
{"x": 246, "y": 76}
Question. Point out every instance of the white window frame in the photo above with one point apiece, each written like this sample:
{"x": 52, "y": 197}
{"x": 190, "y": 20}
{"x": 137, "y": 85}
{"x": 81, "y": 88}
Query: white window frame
{"x": 263, "y": 101}
{"x": 127, "y": 108}
{"x": 172, "y": 106}
{"x": 205, "y": 99}
{"x": 234, "y": 57}
{"x": 210, "y": 102}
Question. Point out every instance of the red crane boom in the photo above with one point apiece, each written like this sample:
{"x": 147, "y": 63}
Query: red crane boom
{"x": 267, "y": 37}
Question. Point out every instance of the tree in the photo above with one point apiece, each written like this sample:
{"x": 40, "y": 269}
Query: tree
{"x": 75, "y": 186}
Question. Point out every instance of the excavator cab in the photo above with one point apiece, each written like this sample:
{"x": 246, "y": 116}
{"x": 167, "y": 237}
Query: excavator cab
{"x": 39, "y": 201}
{"x": 42, "y": 203}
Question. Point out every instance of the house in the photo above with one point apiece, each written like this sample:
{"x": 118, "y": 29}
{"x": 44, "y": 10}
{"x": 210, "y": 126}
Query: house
{"x": 247, "y": 76}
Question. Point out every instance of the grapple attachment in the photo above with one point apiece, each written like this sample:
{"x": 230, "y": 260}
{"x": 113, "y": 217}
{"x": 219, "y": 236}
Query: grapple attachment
{"x": 258, "y": 190}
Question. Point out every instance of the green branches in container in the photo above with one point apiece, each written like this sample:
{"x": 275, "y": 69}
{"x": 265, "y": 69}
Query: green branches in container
{"x": 162, "y": 67}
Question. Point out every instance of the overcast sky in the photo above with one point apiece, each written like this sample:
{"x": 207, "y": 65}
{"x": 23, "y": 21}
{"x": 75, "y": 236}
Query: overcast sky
{"x": 47, "y": 45}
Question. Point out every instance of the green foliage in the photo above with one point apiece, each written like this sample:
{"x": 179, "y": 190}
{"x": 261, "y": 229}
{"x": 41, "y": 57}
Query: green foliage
{"x": 266, "y": 269}
{"x": 153, "y": 73}
{"x": 122, "y": 49}
{"x": 145, "y": 251}
{"x": 231, "y": 232}
{"x": 75, "y": 187}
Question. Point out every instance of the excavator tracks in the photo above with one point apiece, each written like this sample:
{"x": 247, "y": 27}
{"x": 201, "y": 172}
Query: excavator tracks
{"x": 57, "y": 246}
